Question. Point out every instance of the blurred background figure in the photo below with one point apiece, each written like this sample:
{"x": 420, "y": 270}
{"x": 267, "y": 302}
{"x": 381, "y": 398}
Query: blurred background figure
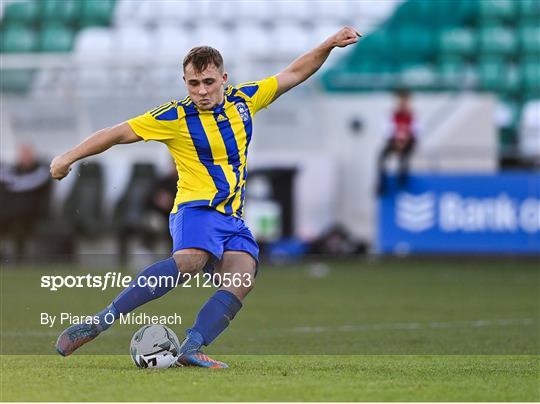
{"x": 142, "y": 212}
{"x": 161, "y": 198}
{"x": 24, "y": 197}
{"x": 159, "y": 204}
{"x": 402, "y": 133}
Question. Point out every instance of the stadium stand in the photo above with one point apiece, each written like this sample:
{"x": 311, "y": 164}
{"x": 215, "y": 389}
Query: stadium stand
{"x": 94, "y": 43}
{"x": 89, "y": 53}
{"x": 243, "y": 30}
{"x": 483, "y": 45}
{"x": 55, "y": 25}
{"x": 283, "y": 34}
{"x": 46, "y": 26}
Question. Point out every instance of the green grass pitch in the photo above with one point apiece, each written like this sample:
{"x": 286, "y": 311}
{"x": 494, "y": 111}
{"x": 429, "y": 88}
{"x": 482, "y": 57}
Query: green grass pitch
{"x": 390, "y": 330}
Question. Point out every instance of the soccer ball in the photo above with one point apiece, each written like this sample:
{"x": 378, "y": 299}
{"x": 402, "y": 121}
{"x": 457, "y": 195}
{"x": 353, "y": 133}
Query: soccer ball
{"x": 155, "y": 346}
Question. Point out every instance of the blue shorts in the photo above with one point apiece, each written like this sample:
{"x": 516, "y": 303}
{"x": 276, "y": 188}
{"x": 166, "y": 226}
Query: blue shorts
{"x": 207, "y": 229}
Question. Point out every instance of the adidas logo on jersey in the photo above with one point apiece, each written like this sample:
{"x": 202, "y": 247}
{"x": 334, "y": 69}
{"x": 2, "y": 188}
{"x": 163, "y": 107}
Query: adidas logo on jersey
{"x": 221, "y": 118}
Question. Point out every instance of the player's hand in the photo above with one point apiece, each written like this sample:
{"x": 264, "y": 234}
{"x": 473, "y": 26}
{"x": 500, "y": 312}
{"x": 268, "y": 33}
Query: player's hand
{"x": 60, "y": 167}
{"x": 345, "y": 36}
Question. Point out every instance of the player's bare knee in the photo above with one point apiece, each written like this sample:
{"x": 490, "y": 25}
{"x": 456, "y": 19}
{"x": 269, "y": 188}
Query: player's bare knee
{"x": 190, "y": 260}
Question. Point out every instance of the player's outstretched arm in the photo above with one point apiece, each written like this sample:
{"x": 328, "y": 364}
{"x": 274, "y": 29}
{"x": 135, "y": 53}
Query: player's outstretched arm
{"x": 307, "y": 64}
{"x": 94, "y": 144}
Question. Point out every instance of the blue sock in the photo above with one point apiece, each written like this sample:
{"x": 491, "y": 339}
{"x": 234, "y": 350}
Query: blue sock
{"x": 215, "y": 316}
{"x": 134, "y": 295}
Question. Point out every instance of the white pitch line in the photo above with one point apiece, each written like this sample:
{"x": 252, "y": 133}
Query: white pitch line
{"x": 340, "y": 328}
{"x": 417, "y": 325}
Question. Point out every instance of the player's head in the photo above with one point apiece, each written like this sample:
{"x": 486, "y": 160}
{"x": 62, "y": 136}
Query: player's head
{"x": 204, "y": 76}
{"x": 403, "y": 96}
{"x": 26, "y": 156}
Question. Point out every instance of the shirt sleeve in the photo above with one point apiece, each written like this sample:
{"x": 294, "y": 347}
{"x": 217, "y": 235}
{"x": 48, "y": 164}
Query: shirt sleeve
{"x": 160, "y": 124}
{"x": 261, "y": 93}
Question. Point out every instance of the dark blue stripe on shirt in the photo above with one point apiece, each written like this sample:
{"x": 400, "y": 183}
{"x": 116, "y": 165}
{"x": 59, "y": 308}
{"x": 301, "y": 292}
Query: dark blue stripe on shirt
{"x": 249, "y": 90}
{"x": 248, "y": 127}
{"x": 233, "y": 155}
{"x": 204, "y": 152}
{"x": 168, "y": 115}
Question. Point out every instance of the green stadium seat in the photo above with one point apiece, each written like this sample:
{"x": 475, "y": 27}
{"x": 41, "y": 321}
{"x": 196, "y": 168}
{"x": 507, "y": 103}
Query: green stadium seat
{"x": 456, "y": 13}
{"x": 23, "y": 12}
{"x": 64, "y": 11}
{"x": 414, "y": 43}
{"x": 476, "y": 46}
{"x": 496, "y": 75}
{"x": 529, "y": 39}
{"x": 418, "y": 76}
{"x": 445, "y": 14}
{"x": 452, "y": 71}
{"x": 56, "y": 38}
{"x": 530, "y": 77}
{"x": 371, "y": 66}
{"x": 96, "y": 12}
{"x": 434, "y": 13}
{"x": 18, "y": 39}
{"x": 414, "y": 11}
{"x": 496, "y": 10}
{"x": 457, "y": 41}
{"x": 497, "y": 40}
{"x": 507, "y": 141}
{"x": 377, "y": 47}
{"x": 378, "y": 42}
{"x": 361, "y": 66}
{"x": 529, "y": 10}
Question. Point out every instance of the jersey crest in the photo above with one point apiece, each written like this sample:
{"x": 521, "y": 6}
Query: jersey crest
{"x": 242, "y": 109}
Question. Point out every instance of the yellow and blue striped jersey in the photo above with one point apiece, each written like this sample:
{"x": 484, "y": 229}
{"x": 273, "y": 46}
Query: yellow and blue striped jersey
{"x": 209, "y": 147}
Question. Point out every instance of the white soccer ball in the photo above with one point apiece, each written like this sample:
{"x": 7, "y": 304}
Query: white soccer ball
{"x": 155, "y": 346}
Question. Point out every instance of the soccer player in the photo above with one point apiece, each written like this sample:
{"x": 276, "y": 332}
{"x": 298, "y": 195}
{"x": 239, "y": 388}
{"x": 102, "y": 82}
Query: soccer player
{"x": 207, "y": 134}
{"x": 401, "y": 140}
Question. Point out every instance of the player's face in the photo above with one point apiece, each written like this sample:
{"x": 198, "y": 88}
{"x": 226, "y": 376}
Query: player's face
{"x": 205, "y": 88}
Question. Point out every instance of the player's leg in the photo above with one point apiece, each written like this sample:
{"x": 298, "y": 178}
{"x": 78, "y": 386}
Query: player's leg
{"x": 381, "y": 171}
{"x": 404, "y": 159}
{"x": 239, "y": 262}
{"x": 152, "y": 283}
{"x": 237, "y": 274}
{"x": 168, "y": 273}
{"x": 222, "y": 307}
{"x": 192, "y": 247}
